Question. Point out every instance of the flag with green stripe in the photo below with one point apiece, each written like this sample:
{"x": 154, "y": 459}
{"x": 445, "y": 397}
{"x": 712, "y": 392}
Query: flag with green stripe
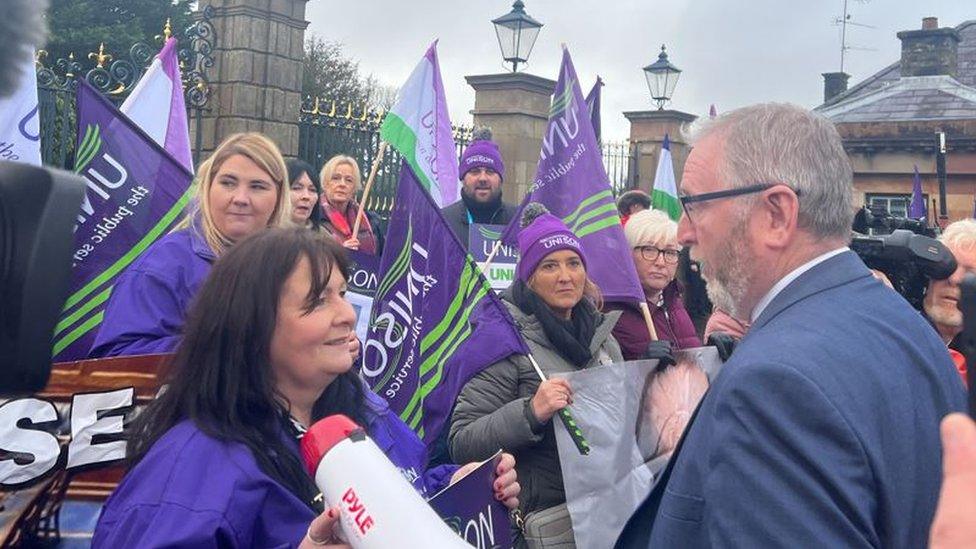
{"x": 435, "y": 322}
{"x": 419, "y": 127}
{"x": 136, "y": 193}
{"x": 664, "y": 197}
{"x": 572, "y": 183}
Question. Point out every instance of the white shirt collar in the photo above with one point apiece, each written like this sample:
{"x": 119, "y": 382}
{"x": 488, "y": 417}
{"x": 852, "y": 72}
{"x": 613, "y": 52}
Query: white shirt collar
{"x": 793, "y": 275}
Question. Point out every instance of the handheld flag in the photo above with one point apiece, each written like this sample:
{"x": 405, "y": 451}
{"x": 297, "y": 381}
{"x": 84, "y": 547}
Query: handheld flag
{"x": 136, "y": 193}
{"x": 436, "y": 322}
{"x": 419, "y": 127}
{"x": 916, "y": 208}
{"x": 20, "y": 136}
{"x": 664, "y": 197}
{"x": 572, "y": 183}
{"x": 157, "y": 105}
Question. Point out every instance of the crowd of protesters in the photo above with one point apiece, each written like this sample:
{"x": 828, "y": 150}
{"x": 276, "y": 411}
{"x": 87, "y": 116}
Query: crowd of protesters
{"x": 824, "y": 424}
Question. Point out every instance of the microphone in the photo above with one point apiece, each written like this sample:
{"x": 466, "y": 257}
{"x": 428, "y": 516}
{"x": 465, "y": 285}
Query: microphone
{"x": 379, "y": 508}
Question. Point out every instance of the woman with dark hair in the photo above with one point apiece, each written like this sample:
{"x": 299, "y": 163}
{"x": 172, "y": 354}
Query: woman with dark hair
{"x": 266, "y": 353}
{"x": 506, "y": 405}
{"x": 305, "y": 192}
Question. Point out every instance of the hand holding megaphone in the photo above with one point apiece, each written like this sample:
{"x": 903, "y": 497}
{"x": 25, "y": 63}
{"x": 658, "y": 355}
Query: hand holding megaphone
{"x": 377, "y": 507}
{"x": 323, "y": 532}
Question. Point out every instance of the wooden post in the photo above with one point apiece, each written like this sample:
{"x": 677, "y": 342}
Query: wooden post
{"x": 647, "y": 319}
{"x": 369, "y": 186}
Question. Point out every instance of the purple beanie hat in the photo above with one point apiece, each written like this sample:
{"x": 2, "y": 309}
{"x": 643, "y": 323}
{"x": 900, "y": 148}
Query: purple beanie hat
{"x": 481, "y": 153}
{"x": 546, "y": 234}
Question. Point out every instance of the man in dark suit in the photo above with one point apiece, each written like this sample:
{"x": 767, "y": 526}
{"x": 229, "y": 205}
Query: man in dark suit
{"x": 823, "y": 427}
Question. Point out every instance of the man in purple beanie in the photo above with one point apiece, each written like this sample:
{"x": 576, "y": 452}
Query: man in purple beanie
{"x": 481, "y": 170}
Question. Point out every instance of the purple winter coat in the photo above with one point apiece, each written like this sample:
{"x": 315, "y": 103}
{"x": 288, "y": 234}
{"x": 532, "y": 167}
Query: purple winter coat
{"x": 192, "y": 490}
{"x": 671, "y": 322}
{"x": 150, "y": 299}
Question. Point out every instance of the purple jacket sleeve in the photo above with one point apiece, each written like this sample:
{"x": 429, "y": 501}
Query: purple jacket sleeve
{"x": 143, "y": 316}
{"x": 166, "y": 525}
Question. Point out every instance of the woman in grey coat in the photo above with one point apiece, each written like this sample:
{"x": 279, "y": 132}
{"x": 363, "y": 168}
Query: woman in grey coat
{"x": 506, "y": 405}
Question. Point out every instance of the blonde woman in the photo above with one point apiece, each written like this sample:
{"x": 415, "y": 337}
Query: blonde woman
{"x": 242, "y": 189}
{"x": 653, "y": 240}
{"x": 340, "y": 180}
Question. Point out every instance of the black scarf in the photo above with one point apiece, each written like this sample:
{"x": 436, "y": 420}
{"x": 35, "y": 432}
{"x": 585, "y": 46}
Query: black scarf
{"x": 482, "y": 212}
{"x": 572, "y": 337}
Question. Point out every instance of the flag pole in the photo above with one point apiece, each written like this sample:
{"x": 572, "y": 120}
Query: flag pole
{"x": 491, "y": 257}
{"x": 369, "y": 186}
{"x": 648, "y": 320}
{"x": 574, "y": 431}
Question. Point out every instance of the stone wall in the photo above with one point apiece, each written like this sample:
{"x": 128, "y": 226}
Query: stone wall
{"x": 516, "y": 108}
{"x": 256, "y": 80}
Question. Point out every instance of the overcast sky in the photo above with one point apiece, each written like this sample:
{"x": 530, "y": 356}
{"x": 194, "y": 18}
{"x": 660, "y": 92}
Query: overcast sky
{"x": 731, "y": 52}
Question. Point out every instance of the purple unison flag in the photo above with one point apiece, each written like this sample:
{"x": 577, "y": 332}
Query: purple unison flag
{"x": 916, "y": 208}
{"x": 593, "y": 105}
{"x": 136, "y": 193}
{"x": 572, "y": 183}
{"x": 435, "y": 320}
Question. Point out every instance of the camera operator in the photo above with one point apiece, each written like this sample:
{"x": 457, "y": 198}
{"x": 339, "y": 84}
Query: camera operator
{"x": 941, "y": 303}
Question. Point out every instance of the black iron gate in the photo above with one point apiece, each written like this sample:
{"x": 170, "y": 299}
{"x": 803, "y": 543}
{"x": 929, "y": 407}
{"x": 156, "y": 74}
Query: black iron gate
{"x": 327, "y": 129}
{"x": 115, "y": 78}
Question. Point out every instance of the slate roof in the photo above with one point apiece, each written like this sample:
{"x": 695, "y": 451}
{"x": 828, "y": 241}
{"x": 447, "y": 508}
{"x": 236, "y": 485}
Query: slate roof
{"x": 887, "y": 97}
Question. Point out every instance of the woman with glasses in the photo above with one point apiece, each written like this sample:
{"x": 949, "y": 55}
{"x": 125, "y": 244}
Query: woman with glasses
{"x": 653, "y": 239}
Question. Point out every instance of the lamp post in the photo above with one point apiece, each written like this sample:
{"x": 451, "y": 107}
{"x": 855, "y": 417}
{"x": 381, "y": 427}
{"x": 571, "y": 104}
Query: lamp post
{"x": 516, "y": 32}
{"x": 662, "y": 77}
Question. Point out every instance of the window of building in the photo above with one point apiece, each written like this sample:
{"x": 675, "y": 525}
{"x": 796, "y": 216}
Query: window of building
{"x": 894, "y": 204}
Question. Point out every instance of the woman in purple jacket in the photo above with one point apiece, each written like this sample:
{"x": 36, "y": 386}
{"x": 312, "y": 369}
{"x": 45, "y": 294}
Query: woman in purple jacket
{"x": 242, "y": 188}
{"x": 653, "y": 240}
{"x": 266, "y": 353}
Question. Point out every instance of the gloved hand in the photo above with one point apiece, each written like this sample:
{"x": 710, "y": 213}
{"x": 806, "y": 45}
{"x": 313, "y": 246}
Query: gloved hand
{"x": 661, "y": 350}
{"x": 723, "y": 342}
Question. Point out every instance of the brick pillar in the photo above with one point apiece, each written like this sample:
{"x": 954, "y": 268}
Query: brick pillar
{"x": 256, "y": 80}
{"x": 516, "y": 108}
{"x": 647, "y": 129}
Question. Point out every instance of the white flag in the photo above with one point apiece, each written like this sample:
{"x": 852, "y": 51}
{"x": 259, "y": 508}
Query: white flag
{"x": 20, "y": 135}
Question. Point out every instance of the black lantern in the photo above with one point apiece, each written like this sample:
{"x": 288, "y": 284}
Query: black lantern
{"x": 662, "y": 77}
{"x": 516, "y": 34}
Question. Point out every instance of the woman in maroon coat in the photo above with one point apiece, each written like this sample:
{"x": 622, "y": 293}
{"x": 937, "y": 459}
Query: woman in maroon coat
{"x": 654, "y": 246}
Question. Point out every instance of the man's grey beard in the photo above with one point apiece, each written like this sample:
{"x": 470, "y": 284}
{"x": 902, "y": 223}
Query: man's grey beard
{"x": 940, "y": 316}
{"x": 22, "y": 29}
{"x": 727, "y": 283}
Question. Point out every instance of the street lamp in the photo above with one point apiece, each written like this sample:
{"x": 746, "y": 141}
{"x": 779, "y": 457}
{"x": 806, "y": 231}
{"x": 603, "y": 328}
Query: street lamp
{"x": 662, "y": 77}
{"x": 516, "y": 32}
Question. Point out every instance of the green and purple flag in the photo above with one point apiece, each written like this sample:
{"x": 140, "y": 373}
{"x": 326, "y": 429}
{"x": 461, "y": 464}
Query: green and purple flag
{"x": 419, "y": 127}
{"x": 664, "y": 197}
{"x": 136, "y": 193}
{"x": 435, "y": 322}
{"x": 572, "y": 183}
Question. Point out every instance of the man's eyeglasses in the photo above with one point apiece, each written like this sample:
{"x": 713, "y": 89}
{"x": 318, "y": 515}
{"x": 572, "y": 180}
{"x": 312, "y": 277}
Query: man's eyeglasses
{"x": 689, "y": 199}
{"x": 651, "y": 253}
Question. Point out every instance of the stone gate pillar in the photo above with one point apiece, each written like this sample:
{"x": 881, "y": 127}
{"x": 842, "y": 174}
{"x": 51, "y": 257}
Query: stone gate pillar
{"x": 647, "y": 129}
{"x": 256, "y": 80}
{"x": 516, "y": 108}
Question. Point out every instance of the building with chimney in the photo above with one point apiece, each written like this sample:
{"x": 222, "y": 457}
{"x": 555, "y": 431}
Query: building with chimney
{"x": 905, "y": 115}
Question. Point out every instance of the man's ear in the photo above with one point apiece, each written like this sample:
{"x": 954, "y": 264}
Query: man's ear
{"x": 780, "y": 209}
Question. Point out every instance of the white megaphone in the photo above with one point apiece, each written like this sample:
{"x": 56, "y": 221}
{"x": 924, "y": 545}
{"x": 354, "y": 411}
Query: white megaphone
{"x": 379, "y": 509}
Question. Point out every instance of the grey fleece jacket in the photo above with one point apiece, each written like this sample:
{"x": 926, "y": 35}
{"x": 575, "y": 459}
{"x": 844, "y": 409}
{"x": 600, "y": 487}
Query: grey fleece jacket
{"x": 493, "y": 411}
